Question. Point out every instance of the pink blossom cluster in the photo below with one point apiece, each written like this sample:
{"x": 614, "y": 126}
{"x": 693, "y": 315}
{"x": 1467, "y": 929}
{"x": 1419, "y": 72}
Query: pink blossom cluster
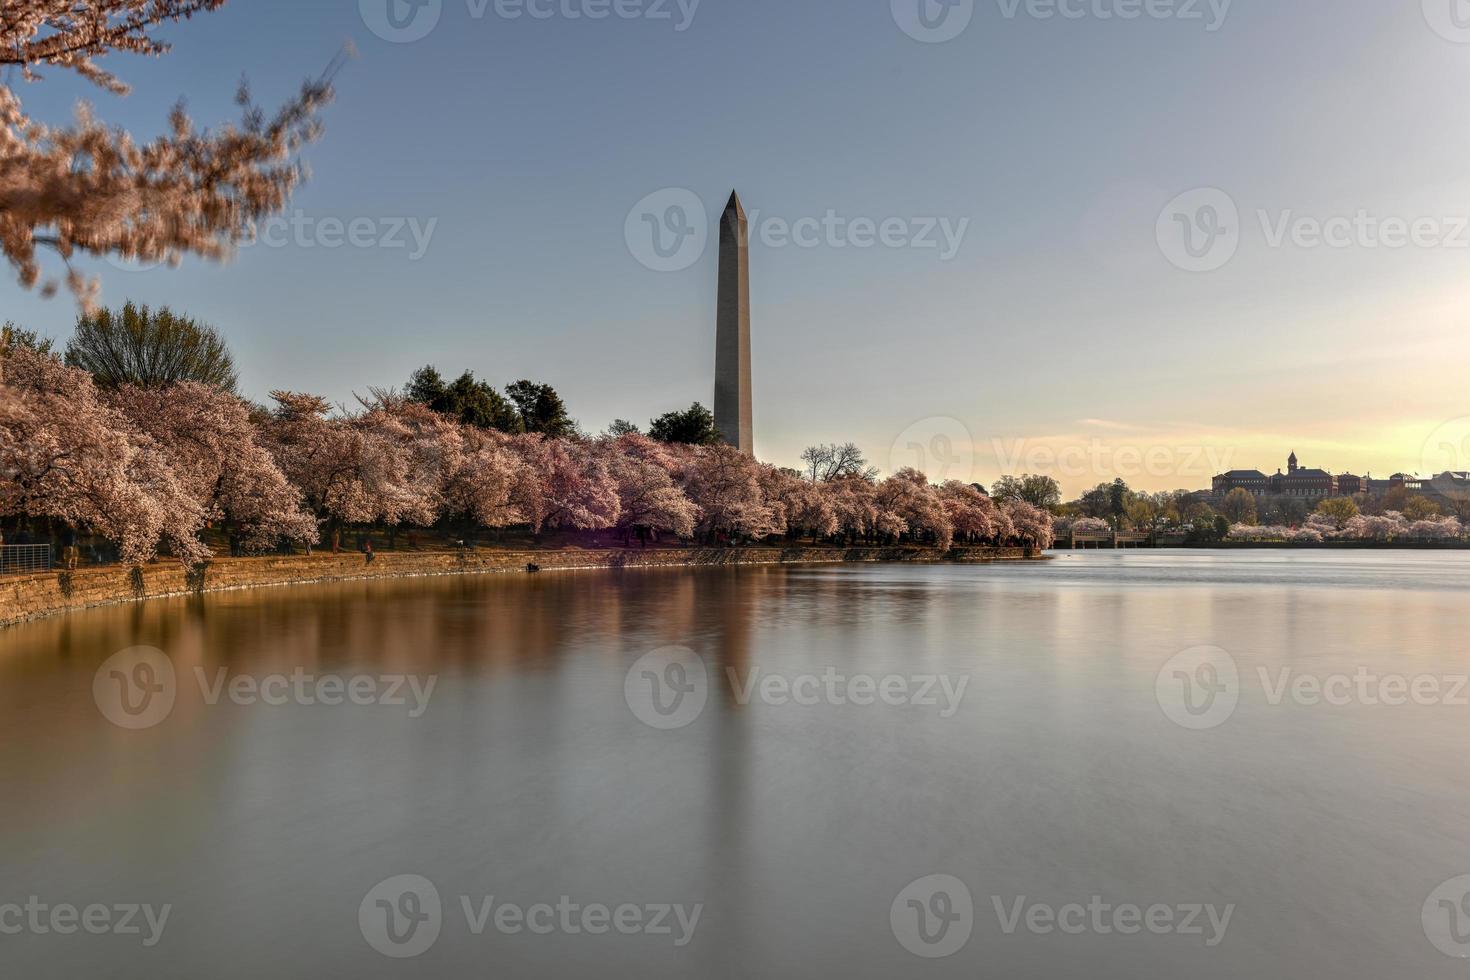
{"x": 1390, "y": 526}
{"x": 1251, "y": 532}
{"x": 153, "y": 468}
{"x": 1086, "y": 525}
{"x": 92, "y": 189}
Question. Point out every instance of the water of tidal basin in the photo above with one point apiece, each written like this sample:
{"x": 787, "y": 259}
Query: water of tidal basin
{"x": 528, "y": 778}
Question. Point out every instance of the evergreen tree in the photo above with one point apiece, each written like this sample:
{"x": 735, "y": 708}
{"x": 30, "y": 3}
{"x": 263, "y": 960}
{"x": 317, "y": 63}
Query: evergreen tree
{"x": 541, "y": 409}
{"x": 695, "y": 427}
{"x": 469, "y": 401}
{"x": 150, "y": 349}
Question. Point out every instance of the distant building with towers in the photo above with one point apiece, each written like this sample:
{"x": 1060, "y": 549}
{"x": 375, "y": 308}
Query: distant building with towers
{"x": 1297, "y": 481}
{"x": 1300, "y": 481}
{"x": 1314, "y": 484}
{"x": 732, "y": 331}
{"x": 1251, "y": 480}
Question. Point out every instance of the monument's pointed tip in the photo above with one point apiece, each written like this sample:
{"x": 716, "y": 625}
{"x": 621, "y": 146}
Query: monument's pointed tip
{"x": 735, "y": 204}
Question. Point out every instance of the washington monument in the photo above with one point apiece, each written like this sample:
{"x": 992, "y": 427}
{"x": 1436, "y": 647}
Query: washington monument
{"x": 732, "y": 336}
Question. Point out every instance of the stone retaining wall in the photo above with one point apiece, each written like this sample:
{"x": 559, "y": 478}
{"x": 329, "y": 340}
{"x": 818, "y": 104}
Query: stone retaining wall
{"x": 27, "y": 597}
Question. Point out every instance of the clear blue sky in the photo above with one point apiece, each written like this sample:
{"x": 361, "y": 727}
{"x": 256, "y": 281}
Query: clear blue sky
{"x": 1060, "y": 322}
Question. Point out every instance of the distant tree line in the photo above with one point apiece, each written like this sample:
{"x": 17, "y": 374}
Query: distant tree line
{"x": 136, "y": 435}
{"x": 1118, "y": 506}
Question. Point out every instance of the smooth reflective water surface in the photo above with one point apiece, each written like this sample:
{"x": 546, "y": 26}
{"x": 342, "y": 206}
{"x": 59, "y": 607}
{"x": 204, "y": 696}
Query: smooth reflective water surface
{"x": 1063, "y": 757}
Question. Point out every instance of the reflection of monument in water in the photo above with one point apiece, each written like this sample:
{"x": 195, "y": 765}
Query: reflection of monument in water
{"x": 732, "y": 335}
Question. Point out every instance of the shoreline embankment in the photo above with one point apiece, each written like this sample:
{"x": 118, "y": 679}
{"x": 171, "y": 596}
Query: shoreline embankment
{"x": 28, "y": 597}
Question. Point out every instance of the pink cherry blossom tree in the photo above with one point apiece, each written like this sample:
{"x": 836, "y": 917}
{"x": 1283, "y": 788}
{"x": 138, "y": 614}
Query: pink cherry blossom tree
{"x": 1366, "y": 527}
{"x": 484, "y": 484}
{"x": 322, "y": 456}
{"x": 409, "y": 455}
{"x": 853, "y": 502}
{"x": 67, "y": 456}
{"x": 725, "y": 484}
{"x": 213, "y": 447}
{"x": 565, "y": 483}
{"x": 907, "y": 502}
{"x": 92, "y": 189}
{"x": 970, "y": 512}
{"x": 1443, "y": 529}
{"x": 647, "y": 495}
{"x": 1030, "y": 524}
{"x": 810, "y": 510}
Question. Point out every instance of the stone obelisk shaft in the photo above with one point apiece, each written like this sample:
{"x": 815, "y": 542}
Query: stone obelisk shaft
{"x": 732, "y": 337}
